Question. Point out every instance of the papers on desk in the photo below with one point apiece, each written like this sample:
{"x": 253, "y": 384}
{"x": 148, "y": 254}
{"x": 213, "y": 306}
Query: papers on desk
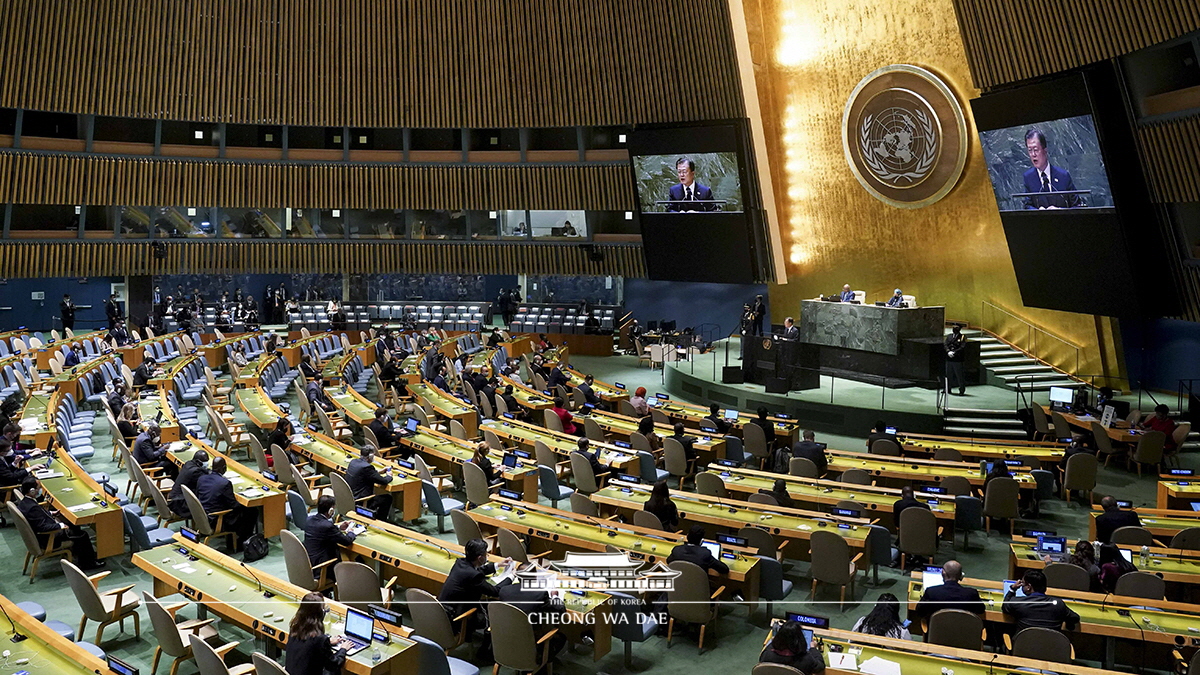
{"x": 252, "y": 493}
{"x": 83, "y": 507}
{"x": 843, "y": 661}
{"x": 300, "y": 440}
{"x": 186, "y": 568}
{"x": 878, "y": 666}
{"x": 43, "y": 475}
{"x": 30, "y": 423}
{"x": 178, "y": 445}
{"x": 509, "y": 573}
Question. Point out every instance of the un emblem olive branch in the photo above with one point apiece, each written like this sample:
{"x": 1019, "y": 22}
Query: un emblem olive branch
{"x": 924, "y": 161}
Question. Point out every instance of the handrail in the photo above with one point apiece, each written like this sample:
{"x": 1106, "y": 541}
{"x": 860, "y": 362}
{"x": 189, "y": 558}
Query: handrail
{"x": 1032, "y": 331}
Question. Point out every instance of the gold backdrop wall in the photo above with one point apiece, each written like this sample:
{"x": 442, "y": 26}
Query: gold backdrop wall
{"x": 809, "y": 55}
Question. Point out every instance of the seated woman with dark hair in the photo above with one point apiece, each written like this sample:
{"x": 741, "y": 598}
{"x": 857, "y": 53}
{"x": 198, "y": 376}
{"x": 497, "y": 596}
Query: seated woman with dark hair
{"x": 660, "y": 504}
{"x": 788, "y": 648}
{"x": 1113, "y": 566}
{"x": 646, "y": 428}
{"x": 884, "y": 620}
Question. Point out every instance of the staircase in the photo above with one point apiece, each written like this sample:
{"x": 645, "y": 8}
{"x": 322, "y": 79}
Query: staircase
{"x": 982, "y": 423}
{"x": 1005, "y": 366}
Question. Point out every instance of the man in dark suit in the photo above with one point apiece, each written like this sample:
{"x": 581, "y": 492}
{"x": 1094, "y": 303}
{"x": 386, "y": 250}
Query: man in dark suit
{"x": 688, "y": 442}
{"x": 215, "y": 493}
{"x": 1113, "y": 518}
{"x": 189, "y": 475}
{"x": 906, "y": 500}
{"x": 693, "y": 552}
{"x": 439, "y": 380}
{"x": 1035, "y": 609}
{"x": 468, "y": 584}
{"x": 557, "y": 377}
{"x": 112, "y": 311}
{"x": 321, "y": 537}
{"x": 119, "y": 334}
{"x": 956, "y": 353}
{"x": 716, "y": 419}
{"x": 809, "y": 449}
{"x": 362, "y": 476}
{"x": 950, "y": 595}
{"x": 758, "y": 312}
{"x": 847, "y": 294}
{"x": 584, "y": 449}
{"x": 307, "y": 369}
{"x": 148, "y": 451}
{"x": 1043, "y": 177}
{"x": 538, "y": 603}
{"x": 510, "y": 401}
{"x": 116, "y": 398}
{"x": 790, "y": 332}
{"x": 316, "y": 396}
{"x": 143, "y": 373}
{"x": 687, "y": 190}
{"x": 880, "y": 432}
{"x": 589, "y": 395}
{"x": 66, "y": 310}
{"x": 12, "y": 471}
{"x": 43, "y": 524}
{"x": 381, "y": 426}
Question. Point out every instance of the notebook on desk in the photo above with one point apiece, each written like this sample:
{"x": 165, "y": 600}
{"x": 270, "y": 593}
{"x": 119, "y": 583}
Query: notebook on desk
{"x": 359, "y": 626}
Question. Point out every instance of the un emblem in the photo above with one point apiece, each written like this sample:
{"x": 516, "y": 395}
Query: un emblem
{"x": 904, "y": 136}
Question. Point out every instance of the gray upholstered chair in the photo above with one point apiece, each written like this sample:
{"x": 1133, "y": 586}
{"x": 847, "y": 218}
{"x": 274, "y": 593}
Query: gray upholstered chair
{"x": 919, "y": 534}
{"x": 803, "y": 467}
{"x": 112, "y": 606}
{"x": 855, "y": 477}
{"x": 631, "y": 623}
{"x": 1080, "y": 474}
{"x": 947, "y": 455}
{"x": 956, "y": 628}
{"x": 885, "y": 446}
{"x": 432, "y": 622}
{"x": 957, "y": 485}
{"x": 1000, "y": 501}
{"x": 832, "y": 564}
{"x": 515, "y": 644}
{"x": 1068, "y": 576}
{"x": 1141, "y": 585}
{"x": 1042, "y": 644}
{"x": 691, "y": 601}
{"x": 1133, "y": 535}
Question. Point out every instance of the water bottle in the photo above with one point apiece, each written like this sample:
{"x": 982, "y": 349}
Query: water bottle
{"x": 1145, "y": 555}
{"x": 376, "y": 655}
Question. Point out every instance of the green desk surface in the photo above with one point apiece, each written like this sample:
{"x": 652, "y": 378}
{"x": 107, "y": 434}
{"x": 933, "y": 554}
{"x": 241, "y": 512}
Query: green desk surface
{"x": 840, "y": 460}
{"x": 352, "y": 404}
{"x": 626, "y": 425}
{"x": 696, "y": 510}
{"x": 696, "y": 412}
{"x": 1174, "y": 565}
{"x": 651, "y": 546}
{"x": 807, "y": 490}
{"x": 559, "y": 443}
{"x": 444, "y": 403}
{"x": 246, "y": 482}
{"x": 526, "y": 396}
{"x": 339, "y": 456}
{"x": 459, "y": 451}
{"x": 76, "y": 372}
{"x": 1183, "y": 486}
{"x": 258, "y": 406}
{"x": 35, "y": 409}
{"x": 984, "y": 450}
{"x": 1169, "y": 523}
{"x": 74, "y": 488}
{"x": 46, "y": 654}
{"x": 150, "y": 406}
{"x": 602, "y": 389}
{"x": 216, "y": 585}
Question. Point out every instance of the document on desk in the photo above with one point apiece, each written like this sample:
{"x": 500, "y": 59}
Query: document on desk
{"x": 843, "y": 661}
{"x": 82, "y": 507}
{"x": 878, "y": 666}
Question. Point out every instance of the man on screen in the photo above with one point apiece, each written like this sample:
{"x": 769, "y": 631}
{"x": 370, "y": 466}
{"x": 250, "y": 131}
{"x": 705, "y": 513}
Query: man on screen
{"x": 1044, "y": 177}
{"x": 688, "y": 190}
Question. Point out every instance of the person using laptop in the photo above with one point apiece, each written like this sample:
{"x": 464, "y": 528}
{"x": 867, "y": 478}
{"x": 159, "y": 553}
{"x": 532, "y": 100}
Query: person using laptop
{"x": 309, "y": 651}
{"x": 1113, "y": 566}
{"x": 694, "y": 552}
{"x": 638, "y": 401}
{"x": 880, "y": 432}
{"x": 584, "y": 448}
{"x": 950, "y": 594}
{"x": 362, "y": 476}
{"x": 907, "y": 500}
{"x": 323, "y": 539}
{"x": 716, "y": 419}
{"x": 1113, "y": 518}
{"x": 1035, "y": 609}
{"x": 480, "y": 459}
{"x": 810, "y": 449}
{"x": 789, "y": 648}
{"x": 381, "y": 426}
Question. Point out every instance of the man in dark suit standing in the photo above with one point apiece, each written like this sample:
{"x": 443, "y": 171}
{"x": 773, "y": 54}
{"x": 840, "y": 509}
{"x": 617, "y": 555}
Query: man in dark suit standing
{"x": 215, "y": 493}
{"x": 321, "y": 537}
{"x": 810, "y": 449}
{"x": 693, "y": 552}
{"x": 112, "y": 311}
{"x": 1113, "y": 518}
{"x": 44, "y": 524}
{"x": 956, "y": 354}
{"x": 362, "y": 476}
{"x": 950, "y": 595}
{"x": 1044, "y": 177}
{"x": 1035, "y": 609}
{"x": 687, "y": 190}
{"x": 66, "y": 310}
{"x": 790, "y": 332}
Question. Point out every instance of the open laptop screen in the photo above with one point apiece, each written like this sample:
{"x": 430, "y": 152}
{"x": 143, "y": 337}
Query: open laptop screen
{"x": 359, "y": 625}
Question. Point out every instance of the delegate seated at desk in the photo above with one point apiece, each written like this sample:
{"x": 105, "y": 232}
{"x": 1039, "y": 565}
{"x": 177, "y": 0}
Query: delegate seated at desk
{"x": 847, "y": 294}
{"x": 897, "y": 299}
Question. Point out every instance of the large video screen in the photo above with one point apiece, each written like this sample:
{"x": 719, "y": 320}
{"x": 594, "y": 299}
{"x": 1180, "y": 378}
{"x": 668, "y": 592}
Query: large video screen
{"x": 702, "y": 182}
{"x": 1049, "y": 165}
{"x": 695, "y": 207}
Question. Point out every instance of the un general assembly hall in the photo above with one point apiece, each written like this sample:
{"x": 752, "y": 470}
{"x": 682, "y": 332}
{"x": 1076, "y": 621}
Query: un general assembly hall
{"x": 482, "y": 337}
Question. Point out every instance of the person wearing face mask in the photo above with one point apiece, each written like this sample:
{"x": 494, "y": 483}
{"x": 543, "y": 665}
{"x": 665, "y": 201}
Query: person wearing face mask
{"x": 44, "y": 524}
{"x": 189, "y": 475}
{"x": 148, "y": 451}
{"x": 12, "y": 470}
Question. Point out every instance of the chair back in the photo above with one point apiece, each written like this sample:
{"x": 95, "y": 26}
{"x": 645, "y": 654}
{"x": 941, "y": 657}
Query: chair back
{"x": 659, "y": 416}
{"x": 770, "y": 580}
{"x": 675, "y": 460}
{"x": 628, "y": 617}
{"x": 1041, "y": 423}
{"x": 690, "y": 601}
{"x": 551, "y": 420}
{"x": 85, "y": 593}
{"x": 422, "y": 468}
{"x": 493, "y": 440}
{"x": 956, "y": 628}
{"x": 1043, "y": 644}
{"x": 583, "y": 505}
{"x": 298, "y": 508}
{"x": 165, "y": 632}
{"x": 28, "y": 537}
{"x": 1062, "y": 428}
{"x": 1000, "y": 499}
{"x": 957, "y": 485}
{"x": 639, "y": 442}
{"x": 370, "y": 436}
{"x": 626, "y": 408}
{"x": 803, "y": 467}
{"x": 968, "y": 513}
{"x": 767, "y": 668}
{"x": 593, "y": 430}
{"x": 1133, "y": 535}
{"x": 548, "y": 482}
{"x": 265, "y": 665}
{"x": 1068, "y": 576}
{"x": 208, "y": 661}
{"x": 510, "y": 544}
{"x": 138, "y": 538}
{"x": 754, "y": 441}
{"x": 885, "y": 446}
{"x": 585, "y": 478}
{"x": 1081, "y": 471}
{"x": 1181, "y": 433}
{"x": 501, "y": 406}
{"x": 433, "y": 498}
{"x": 513, "y": 642}
{"x": 475, "y": 483}
{"x": 647, "y": 466}
{"x": 947, "y": 455}
{"x": 1149, "y": 448}
{"x": 343, "y": 496}
{"x": 1045, "y": 483}
{"x": 357, "y": 585}
{"x": 196, "y": 509}
{"x": 299, "y": 569}
{"x": 855, "y": 477}
{"x": 1141, "y": 585}
{"x": 711, "y": 484}
{"x": 465, "y": 527}
{"x": 429, "y": 618}
{"x": 830, "y": 558}
{"x": 544, "y": 455}
{"x": 759, "y": 539}
{"x": 761, "y": 498}
{"x": 918, "y": 532}
{"x": 647, "y": 520}
{"x": 457, "y": 430}
{"x": 260, "y": 455}
{"x": 733, "y": 449}
{"x": 1188, "y": 540}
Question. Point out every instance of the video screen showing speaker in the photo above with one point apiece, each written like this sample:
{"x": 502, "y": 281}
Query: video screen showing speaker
{"x": 696, "y": 207}
{"x": 1048, "y": 165}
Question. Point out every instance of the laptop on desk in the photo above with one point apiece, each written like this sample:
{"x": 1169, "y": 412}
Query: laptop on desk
{"x": 359, "y": 626}
{"x": 1053, "y": 547}
{"x": 410, "y": 427}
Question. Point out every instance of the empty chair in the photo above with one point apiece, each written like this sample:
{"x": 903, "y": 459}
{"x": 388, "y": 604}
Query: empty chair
{"x": 760, "y": 498}
{"x": 831, "y": 563}
{"x": 142, "y": 538}
{"x": 439, "y": 505}
{"x": 1187, "y": 540}
{"x": 919, "y": 534}
{"x": 1042, "y": 644}
{"x": 1080, "y": 474}
{"x": 1133, "y": 536}
{"x": 885, "y": 446}
{"x": 112, "y": 606}
{"x": 172, "y": 637}
{"x": 550, "y": 487}
{"x": 711, "y": 484}
{"x": 1141, "y": 585}
{"x": 432, "y": 622}
{"x": 583, "y": 505}
{"x": 1062, "y": 428}
{"x": 755, "y": 443}
{"x": 431, "y": 660}
{"x": 510, "y": 545}
{"x": 854, "y": 477}
{"x": 956, "y": 628}
{"x": 1149, "y": 450}
{"x": 265, "y": 665}
{"x": 803, "y": 467}
{"x": 631, "y": 623}
{"x": 762, "y": 541}
{"x": 466, "y": 529}
{"x": 647, "y": 520}
{"x": 1104, "y": 443}
{"x": 1041, "y": 424}
{"x": 1000, "y": 501}
{"x": 691, "y": 600}
{"x": 1068, "y": 576}
{"x": 772, "y": 587}
{"x": 358, "y": 586}
{"x": 514, "y": 644}
{"x": 947, "y": 455}
{"x": 957, "y": 485}
{"x": 211, "y": 662}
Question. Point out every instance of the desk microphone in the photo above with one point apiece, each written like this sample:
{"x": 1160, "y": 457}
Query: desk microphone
{"x": 449, "y": 554}
{"x": 597, "y": 523}
{"x": 17, "y": 636}
{"x": 1104, "y": 600}
{"x": 266, "y": 594}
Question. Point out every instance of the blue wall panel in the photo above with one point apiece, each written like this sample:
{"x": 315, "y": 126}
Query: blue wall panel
{"x": 40, "y": 315}
{"x": 691, "y": 304}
